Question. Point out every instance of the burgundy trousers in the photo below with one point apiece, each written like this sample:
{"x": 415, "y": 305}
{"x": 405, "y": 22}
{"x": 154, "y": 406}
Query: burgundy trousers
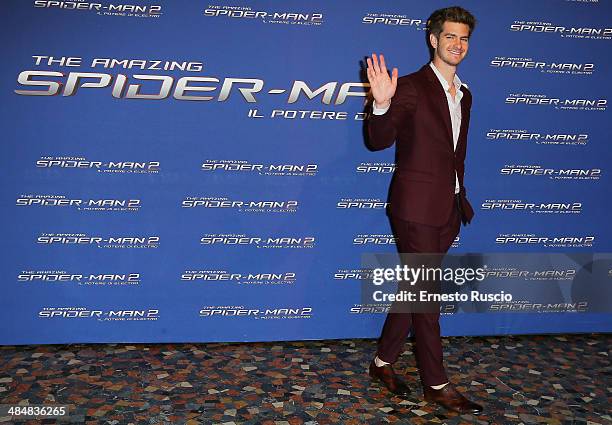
{"x": 419, "y": 238}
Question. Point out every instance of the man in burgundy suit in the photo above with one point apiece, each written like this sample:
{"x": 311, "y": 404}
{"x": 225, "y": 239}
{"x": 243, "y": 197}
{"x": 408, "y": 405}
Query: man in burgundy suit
{"x": 427, "y": 115}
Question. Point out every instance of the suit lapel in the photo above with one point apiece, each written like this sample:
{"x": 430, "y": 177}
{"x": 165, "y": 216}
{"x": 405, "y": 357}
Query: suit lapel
{"x": 465, "y": 119}
{"x": 439, "y": 99}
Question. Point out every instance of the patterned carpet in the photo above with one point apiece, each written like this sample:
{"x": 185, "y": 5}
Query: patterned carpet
{"x": 519, "y": 380}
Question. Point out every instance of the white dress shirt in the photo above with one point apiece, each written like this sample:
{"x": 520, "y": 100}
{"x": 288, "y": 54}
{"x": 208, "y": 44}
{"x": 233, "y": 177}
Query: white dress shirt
{"x": 454, "y": 108}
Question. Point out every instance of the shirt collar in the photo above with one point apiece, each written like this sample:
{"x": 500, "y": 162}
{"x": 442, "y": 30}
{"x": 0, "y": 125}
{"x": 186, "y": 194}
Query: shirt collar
{"x": 443, "y": 81}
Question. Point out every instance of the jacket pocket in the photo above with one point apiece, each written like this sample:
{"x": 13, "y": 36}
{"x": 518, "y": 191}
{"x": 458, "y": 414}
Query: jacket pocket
{"x": 415, "y": 175}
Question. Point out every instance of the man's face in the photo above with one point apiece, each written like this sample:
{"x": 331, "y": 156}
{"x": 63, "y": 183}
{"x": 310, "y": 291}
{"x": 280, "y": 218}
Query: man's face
{"x": 452, "y": 44}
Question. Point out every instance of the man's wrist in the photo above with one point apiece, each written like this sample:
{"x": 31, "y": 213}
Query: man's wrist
{"x": 380, "y": 109}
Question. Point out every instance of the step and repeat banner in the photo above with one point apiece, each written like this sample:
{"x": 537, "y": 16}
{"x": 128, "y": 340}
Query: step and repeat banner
{"x": 193, "y": 170}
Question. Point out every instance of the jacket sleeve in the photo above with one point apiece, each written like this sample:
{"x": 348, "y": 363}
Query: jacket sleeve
{"x": 383, "y": 129}
{"x": 468, "y": 211}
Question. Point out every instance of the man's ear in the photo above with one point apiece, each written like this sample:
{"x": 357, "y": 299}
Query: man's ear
{"x": 433, "y": 41}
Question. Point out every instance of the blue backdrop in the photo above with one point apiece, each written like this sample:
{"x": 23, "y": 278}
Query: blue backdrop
{"x": 195, "y": 171}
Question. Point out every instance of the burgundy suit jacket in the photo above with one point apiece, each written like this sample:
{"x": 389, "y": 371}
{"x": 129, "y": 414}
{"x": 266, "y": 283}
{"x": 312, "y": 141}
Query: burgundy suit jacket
{"x": 418, "y": 121}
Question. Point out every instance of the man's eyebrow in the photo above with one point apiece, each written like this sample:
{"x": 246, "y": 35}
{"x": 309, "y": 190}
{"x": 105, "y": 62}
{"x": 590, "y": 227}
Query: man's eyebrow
{"x": 453, "y": 34}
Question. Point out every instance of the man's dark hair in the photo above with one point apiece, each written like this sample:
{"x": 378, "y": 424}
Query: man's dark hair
{"x": 449, "y": 14}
